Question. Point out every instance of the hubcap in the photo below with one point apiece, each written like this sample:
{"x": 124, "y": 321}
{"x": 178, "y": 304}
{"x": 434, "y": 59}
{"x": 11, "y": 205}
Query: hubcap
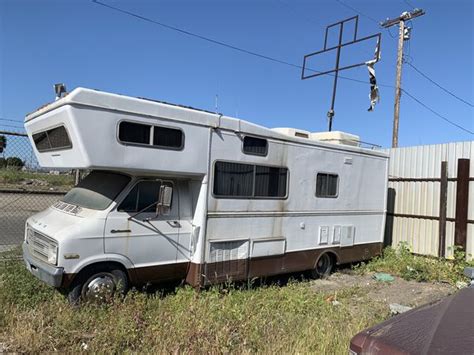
{"x": 100, "y": 288}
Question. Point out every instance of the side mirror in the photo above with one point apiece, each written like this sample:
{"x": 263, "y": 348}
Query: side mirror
{"x": 164, "y": 200}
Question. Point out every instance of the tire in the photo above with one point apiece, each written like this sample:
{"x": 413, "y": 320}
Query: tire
{"x": 98, "y": 286}
{"x": 323, "y": 267}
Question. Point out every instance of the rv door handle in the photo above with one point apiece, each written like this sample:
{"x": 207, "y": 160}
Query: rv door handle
{"x": 120, "y": 231}
{"x": 174, "y": 224}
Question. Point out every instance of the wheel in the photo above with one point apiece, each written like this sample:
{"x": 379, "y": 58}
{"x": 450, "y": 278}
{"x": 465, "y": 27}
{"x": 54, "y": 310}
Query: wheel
{"x": 323, "y": 266}
{"x": 98, "y": 286}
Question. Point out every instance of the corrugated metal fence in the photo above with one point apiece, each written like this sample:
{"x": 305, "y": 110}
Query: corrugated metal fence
{"x": 431, "y": 203}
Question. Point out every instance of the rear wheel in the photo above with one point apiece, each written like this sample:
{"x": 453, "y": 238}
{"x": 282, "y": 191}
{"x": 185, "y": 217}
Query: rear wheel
{"x": 324, "y": 266}
{"x": 97, "y": 286}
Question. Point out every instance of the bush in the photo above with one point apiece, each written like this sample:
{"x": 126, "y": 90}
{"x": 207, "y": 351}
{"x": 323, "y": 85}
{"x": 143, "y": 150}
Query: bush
{"x": 14, "y": 162}
{"x": 403, "y": 263}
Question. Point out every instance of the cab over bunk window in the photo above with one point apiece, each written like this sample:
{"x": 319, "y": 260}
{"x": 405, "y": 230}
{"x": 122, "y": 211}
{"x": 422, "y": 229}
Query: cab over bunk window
{"x": 326, "y": 185}
{"x": 255, "y": 146}
{"x": 130, "y": 132}
{"x": 163, "y": 137}
{"x": 249, "y": 181}
{"x": 52, "y": 139}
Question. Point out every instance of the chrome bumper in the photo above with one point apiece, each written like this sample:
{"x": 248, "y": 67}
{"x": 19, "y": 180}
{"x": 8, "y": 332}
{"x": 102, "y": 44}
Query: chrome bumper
{"x": 49, "y": 274}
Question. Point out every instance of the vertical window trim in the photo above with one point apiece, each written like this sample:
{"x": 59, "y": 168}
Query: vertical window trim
{"x": 152, "y": 134}
{"x": 250, "y": 153}
{"x": 327, "y": 182}
{"x": 287, "y": 186}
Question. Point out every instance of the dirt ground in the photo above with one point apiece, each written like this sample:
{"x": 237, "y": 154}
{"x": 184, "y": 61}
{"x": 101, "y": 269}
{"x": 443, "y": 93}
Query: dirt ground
{"x": 406, "y": 293}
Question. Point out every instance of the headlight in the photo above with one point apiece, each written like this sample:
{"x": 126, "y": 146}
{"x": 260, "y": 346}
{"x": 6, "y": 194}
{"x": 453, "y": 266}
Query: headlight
{"x": 53, "y": 254}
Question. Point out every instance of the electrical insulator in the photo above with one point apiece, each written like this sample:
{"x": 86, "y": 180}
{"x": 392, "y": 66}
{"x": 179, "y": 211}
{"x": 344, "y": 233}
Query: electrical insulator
{"x": 406, "y": 33}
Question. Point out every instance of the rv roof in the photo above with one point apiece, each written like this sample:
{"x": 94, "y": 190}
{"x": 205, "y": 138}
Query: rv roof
{"x": 173, "y": 112}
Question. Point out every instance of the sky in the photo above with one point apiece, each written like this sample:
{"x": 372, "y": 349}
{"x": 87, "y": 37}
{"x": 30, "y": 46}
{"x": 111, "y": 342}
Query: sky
{"x": 84, "y": 44}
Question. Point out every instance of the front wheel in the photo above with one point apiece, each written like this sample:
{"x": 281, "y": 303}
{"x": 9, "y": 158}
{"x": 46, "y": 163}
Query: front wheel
{"x": 323, "y": 266}
{"x": 98, "y": 286}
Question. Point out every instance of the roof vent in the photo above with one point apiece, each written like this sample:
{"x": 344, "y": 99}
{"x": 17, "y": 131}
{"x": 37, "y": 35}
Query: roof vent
{"x": 292, "y": 132}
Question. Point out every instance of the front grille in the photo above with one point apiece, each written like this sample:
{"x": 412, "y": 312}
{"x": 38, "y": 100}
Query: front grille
{"x": 39, "y": 245}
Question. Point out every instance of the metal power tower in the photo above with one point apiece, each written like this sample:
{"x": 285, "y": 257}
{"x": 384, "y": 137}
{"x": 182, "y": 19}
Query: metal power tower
{"x": 313, "y": 73}
{"x": 404, "y": 35}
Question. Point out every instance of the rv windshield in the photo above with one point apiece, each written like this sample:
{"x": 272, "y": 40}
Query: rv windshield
{"x": 97, "y": 190}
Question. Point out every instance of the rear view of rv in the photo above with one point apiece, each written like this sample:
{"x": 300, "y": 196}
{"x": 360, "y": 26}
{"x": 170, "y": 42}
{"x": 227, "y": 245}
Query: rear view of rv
{"x": 176, "y": 193}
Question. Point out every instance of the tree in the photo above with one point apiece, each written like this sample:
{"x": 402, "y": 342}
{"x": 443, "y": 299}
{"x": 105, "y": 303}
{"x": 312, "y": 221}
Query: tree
{"x": 3, "y": 143}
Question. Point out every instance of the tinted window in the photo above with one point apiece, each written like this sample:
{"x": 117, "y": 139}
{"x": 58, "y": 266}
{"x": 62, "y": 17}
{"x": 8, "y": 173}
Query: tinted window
{"x": 52, "y": 139}
{"x": 255, "y": 146}
{"x": 143, "y": 195}
{"x": 233, "y": 179}
{"x": 251, "y": 181}
{"x": 326, "y": 185}
{"x": 130, "y": 132}
{"x": 270, "y": 181}
{"x": 167, "y": 137}
{"x": 97, "y": 190}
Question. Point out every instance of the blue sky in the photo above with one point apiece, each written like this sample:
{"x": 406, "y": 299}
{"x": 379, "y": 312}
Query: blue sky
{"x": 84, "y": 44}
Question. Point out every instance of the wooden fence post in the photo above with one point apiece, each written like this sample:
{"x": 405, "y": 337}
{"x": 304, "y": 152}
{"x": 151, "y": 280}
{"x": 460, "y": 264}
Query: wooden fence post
{"x": 443, "y": 202}
{"x": 462, "y": 200}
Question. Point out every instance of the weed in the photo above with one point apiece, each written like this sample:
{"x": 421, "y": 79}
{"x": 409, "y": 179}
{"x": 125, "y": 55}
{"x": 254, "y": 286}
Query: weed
{"x": 401, "y": 262}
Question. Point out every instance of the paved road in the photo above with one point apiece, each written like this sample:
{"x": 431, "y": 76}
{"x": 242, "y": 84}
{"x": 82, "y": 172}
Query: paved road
{"x": 15, "y": 208}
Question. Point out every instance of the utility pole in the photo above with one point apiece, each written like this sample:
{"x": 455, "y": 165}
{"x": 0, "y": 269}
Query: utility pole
{"x": 403, "y": 35}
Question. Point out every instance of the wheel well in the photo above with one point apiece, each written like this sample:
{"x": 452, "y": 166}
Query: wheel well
{"x": 100, "y": 266}
{"x": 331, "y": 254}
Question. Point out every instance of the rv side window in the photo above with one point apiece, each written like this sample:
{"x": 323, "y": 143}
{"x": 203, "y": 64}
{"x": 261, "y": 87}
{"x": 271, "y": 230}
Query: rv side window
{"x": 270, "y": 182}
{"x": 130, "y": 132}
{"x": 52, "y": 139}
{"x": 326, "y": 185}
{"x": 233, "y": 179}
{"x": 249, "y": 181}
{"x": 164, "y": 137}
{"x": 255, "y": 146}
{"x": 143, "y": 194}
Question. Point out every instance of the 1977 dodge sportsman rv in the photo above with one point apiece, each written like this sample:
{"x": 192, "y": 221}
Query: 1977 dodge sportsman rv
{"x": 178, "y": 193}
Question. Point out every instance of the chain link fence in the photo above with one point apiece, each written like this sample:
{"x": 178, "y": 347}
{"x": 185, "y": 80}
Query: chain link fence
{"x": 25, "y": 188}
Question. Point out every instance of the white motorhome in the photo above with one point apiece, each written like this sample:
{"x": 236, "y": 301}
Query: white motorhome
{"x": 180, "y": 193}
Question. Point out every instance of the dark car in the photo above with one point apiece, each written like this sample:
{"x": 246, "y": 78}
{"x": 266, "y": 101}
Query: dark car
{"x": 442, "y": 327}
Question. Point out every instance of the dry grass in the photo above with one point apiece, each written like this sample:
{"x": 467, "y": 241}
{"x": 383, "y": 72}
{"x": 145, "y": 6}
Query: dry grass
{"x": 290, "y": 318}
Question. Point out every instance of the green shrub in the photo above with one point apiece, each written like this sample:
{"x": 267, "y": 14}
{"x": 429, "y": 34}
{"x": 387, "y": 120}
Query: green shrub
{"x": 402, "y": 262}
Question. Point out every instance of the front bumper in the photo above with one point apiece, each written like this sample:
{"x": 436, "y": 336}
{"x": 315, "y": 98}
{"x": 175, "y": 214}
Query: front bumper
{"x": 49, "y": 274}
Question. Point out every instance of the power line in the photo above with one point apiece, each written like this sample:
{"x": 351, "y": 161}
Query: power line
{"x": 409, "y": 4}
{"x": 10, "y": 120}
{"x": 360, "y": 13}
{"x": 220, "y": 43}
{"x": 438, "y": 85}
{"x": 267, "y": 57}
{"x": 436, "y": 113}
{"x": 11, "y": 126}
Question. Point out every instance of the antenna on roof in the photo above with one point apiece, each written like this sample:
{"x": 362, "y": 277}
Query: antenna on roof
{"x": 60, "y": 90}
{"x": 216, "y": 103}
